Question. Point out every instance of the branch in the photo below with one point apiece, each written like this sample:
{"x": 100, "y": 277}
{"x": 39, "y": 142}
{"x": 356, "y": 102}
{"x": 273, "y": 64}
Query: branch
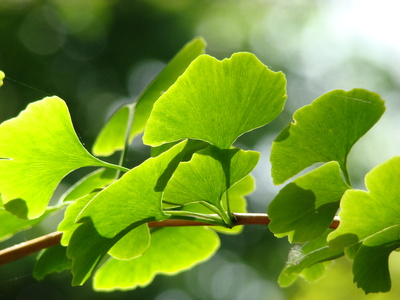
{"x": 24, "y": 249}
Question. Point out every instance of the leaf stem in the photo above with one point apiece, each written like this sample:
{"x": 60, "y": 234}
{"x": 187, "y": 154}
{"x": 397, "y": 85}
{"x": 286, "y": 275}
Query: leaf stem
{"x": 196, "y": 217}
{"x": 124, "y": 152}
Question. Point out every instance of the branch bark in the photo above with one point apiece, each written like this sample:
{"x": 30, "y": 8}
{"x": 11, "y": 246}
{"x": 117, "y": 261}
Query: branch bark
{"x": 22, "y": 250}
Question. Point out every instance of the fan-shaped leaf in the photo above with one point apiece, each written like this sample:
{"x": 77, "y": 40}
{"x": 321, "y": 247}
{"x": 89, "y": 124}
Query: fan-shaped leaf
{"x": 172, "y": 250}
{"x": 323, "y": 131}
{"x": 217, "y": 101}
{"x": 37, "y": 149}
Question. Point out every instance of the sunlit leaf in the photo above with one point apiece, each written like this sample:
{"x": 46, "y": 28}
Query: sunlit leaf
{"x": 238, "y": 203}
{"x": 305, "y": 208}
{"x": 136, "y": 196}
{"x": 133, "y": 244}
{"x": 172, "y": 250}
{"x": 208, "y": 175}
{"x": 53, "y": 259}
{"x": 323, "y": 131}
{"x": 217, "y": 101}
{"x": 369, "y": 221}
{"x": 38, "y": 148}
{"x": 112, "y": 137}
{"x": 365, "y": 213}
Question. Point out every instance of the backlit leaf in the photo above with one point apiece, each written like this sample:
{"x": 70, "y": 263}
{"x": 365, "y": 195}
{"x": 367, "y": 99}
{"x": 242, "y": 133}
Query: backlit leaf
{"x": 365, "y": 213}
{"x": 171, "y": 251}
{"x": 217, "y": 101}
{"x": 2, "y": 76}
{"x": 37, "y": 149}
{"x": 323, "y": 131}
{"x": 136, "y": 196}
{"x": 208, "y": 175}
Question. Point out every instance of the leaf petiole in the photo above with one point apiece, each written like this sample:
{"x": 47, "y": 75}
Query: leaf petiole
{"x": 198, "y": 217}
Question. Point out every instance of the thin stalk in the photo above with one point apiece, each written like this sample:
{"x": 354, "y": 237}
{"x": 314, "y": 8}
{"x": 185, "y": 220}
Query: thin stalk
{"x": 196, "y": 217}
{"x": 128, "y": 130}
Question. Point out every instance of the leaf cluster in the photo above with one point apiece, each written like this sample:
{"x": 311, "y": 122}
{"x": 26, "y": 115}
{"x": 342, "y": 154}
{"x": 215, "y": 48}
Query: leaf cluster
{"x": 191, "y": 115}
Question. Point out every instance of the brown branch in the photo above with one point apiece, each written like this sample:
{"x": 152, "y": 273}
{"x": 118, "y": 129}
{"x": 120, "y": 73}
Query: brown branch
{"x": 24, "y": 249}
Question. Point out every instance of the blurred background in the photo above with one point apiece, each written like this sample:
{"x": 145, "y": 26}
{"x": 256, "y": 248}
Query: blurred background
{"x": 100, "y": 54}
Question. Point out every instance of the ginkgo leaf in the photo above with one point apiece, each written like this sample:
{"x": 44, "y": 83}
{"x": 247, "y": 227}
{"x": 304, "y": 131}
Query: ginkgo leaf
{"x": 305, "y": 208}
{"x": 133, "y": 244}
{"x": 68, "y": 225}
{"x": 113, "y": 135}
{"x": 172, "y": 250}
{"x": 37, "y": 149}
{"x": 323, "y": 131}
{"x": 53, "y": 259}
{"x": 208, "y": 175}
{"x": 136, "y": 196}
{"x": 369, "y": 223}
{"x": 217, "y": 101}
{"x": 363, "y": 213}
{"x": 371, "y": 263}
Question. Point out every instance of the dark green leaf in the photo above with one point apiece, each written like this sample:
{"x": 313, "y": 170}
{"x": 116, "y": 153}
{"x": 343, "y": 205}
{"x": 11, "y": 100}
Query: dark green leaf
{"x": 53, "y": 259}
{"x": 370, "y": 268}
{"x": 305, "y": 208}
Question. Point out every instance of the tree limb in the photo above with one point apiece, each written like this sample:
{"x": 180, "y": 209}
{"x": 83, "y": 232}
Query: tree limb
{"x": 26, "y": 248}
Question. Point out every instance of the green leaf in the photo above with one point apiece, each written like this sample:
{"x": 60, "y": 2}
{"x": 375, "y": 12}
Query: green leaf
{"x": 38, "y": 148}
{"x": 238, "y": 203}
{"x": 113, "y": 135}
{"x": 305, "y": 208}
{"x": 208, "y": 175}
{"x": 324, "y": 131}
{"x": 87, "y": 248}
{"x": 172, "y": 250}
{"x": 11, "y": 224}
{"x": 98, "y": 179}
{"x": 133, "y": 244}
{"x": 53, "y": 259}
{"x": 369, "y": 224}
{"x": 370, "y": 267}
{"x": 217, "y": 101}
{"x": 364, "y": 213}
{"x": 308, "y": 261}
{"x": 67, "y": 226}
{"x": 136, "y": 196}
{"x": 2, "y": 76}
